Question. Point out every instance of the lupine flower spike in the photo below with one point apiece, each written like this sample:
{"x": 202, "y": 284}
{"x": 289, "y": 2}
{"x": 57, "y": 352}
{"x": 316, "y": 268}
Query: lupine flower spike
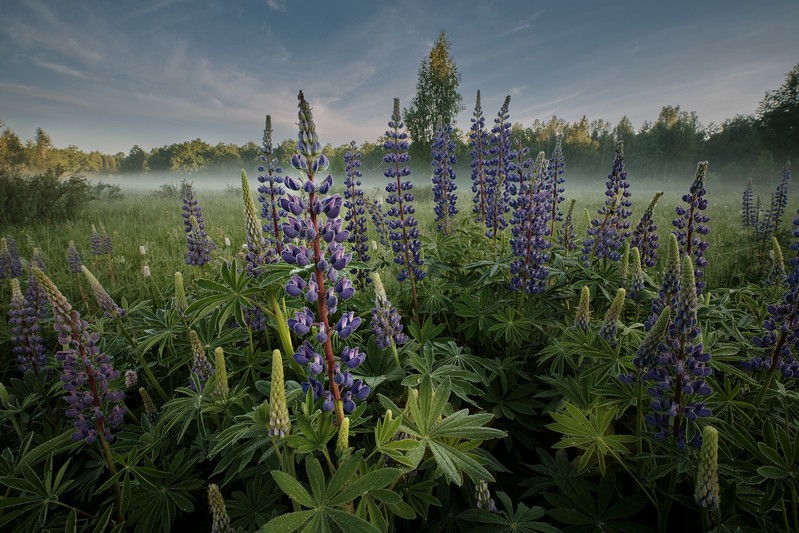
{"x": 107, "y": 304}
{"x": 343, "y": 440}
{"x": 402, "y": 224}
{"x": 648, "y": 350}
{"x": 531, "y": 214}
{"x": 356, "y": 212}
{"x": 259, "y": 252}
{"x": 88, "y": 374}
{"x": 95, "y": 242}
{"x": 498, "y": 168}
{"x": 271, "y": 189}
{"x": 181, "y": 304}
{"x": 611, "y": 228}
{"x": 279, "y": 423}
{"x": 582, "y": 320}
{"x": 198, "y": 243}
{"x": 566, "y": 237}
{"x": 645, "y": 235}
{"x": 326, "y": 284}
{"x": 480, "y": 151}
{"x": 747, "y": 206}
{"x": 555, "y": 171}
{"x": 706, "y": 492}
{"x": 444, "y": 177}
{"x": 201, "y": 367}
{"x": 637, "y": 278}
{"x": 772, "y": 219}
{"x": 667, "y": 296}
{"x": 483, "y": 497}
{"x": 375, "y": 208}
{"x": 26, "y": 338}
{"x": 35, "y": 296}
{"x": 149, "y": 406}
{"x": 681, "y": 370}
{"x": 386, "y": 323}
{"x": 10, "y": 263}
{"x": 222, "y": 387}
{"x": 73, "y": 258}
{"x": 691, "y": 225}
{"x": 777, "y": 275}
{"x": 610, "y": 324}
{"x": 131, "y": 378}
{"x": 221, "y": 521}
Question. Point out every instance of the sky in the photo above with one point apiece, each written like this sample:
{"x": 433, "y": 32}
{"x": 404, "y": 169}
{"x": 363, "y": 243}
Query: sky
{"x": 109, "y": 75}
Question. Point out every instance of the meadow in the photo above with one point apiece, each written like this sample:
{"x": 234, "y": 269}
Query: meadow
{"x": 483, "y": 389}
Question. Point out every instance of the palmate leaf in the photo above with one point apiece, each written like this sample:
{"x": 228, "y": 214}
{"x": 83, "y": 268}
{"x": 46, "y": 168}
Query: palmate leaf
{"x": 448, "y": 438}
{"x": 323, "y": 499}
{"x": 523, "y": 519}
{"x": 591, "y": 432}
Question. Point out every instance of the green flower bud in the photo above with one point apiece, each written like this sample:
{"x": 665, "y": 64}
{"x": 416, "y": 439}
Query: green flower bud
{"x": 221, "y": 520}
{"x": 343, "y": 441}
{"x": 609, "y": 326}
{"x": 707, "y": 475}
{"x": 222, "y": 388}
{"x": 181, "y": 304}
{"x": 582, "y": 320}
{"x": 279, "y": 423}
{"x": 149, "y": 407}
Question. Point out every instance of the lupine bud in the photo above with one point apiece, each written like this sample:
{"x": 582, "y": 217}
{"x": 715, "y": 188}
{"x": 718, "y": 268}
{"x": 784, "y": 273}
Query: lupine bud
{"x": 637, "y": 279}
{"x": 181, "y": 304}
{"x": 772, "y": 219}
{"x": 625, "y": 261}
{"x": 95, "y": 242}
{"x": 343, "y": 441}
{"x": 706, "y": 492}
{"x": 609, "y": 326}
{"x": 149, "y": 406}
{"x": 777, "y": 275}
{"x": 198, "y": 244}
{"x": 107, "y": 304}
{"x": 221, "y": 520}
{"x": 201, "y": 367}
{"x": 259, "y": 251}
{"x": 131, "y": 378}
{"x": 566, "y": 237}
{"x": 386, "y": 323}
{"x": 483, "y": 497}
{"x": 667, "y": 296}
{"x": 73, "y": 258}
{"x": 222, "y": 388}
{"x": 279, "y": 423}
{"x": 648, "y": 349}
{"x": 582, "y": 321}
{"x": 645, "y": 236}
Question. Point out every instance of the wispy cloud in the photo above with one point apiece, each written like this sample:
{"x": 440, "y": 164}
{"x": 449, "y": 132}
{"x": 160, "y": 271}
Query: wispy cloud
{"x": 277, "y": 5}
{"x": 525, "y": 23}
{"x": 61, "y": 69}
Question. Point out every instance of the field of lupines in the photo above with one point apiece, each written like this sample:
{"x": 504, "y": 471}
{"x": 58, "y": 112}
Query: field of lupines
{"x": 503, "y": 354}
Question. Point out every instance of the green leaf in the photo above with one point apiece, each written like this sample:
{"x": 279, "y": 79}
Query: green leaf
{"x": 288, "y": 522}
{"x": 293, "y": 489}
{"x": 316, "y": 478}
{"x": 772, "y": 472}
{"x": 378, "y": 479}
{"x": 350, "y": 523}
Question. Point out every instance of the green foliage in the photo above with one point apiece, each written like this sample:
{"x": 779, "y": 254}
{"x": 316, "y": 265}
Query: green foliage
{"x": 40, "y": 198}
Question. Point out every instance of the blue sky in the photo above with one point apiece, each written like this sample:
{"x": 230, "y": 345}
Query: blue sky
{"x": 107, "y": 75}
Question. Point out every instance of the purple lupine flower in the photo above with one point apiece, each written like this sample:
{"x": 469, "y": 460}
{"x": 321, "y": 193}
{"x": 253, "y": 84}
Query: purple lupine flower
{"x": 36, "y": 298}
{"x": 10, "y": 263}
{"x": 26, "y": 338}
{"x": 566, "y": 236}
{"x": 691, "y": 224}
{"x": 667, "y": 296}
{"x": 498, "y": 169}
{"x": 611, "y": 228}
{"x": 356, "y": 213}
{"x": 323, "y": 249}
{"x": 479, "y": 142}
{"x": 402, "y": 224}
{"x": 555, "y": 170}
{"x": 375, "y": 208}
{"x": 107, "y": 304}
{"x": 108, "y": 244}
{"x": 271, "y": 189}
{"x": 443, "y": 151}
{"x": 747, "y": 206}
{"x": 88, "y": 373}
{"x": 772, "y": 219}
{"x": 681, "y": 370}
{"x": 199, "y": 245}
{"x": 95, "y": 242}
{"x": 386, "y": 320}
{"x": 645, "y": 235}
{"x": 530, "y": 223}
{"x": 73, "y": 258}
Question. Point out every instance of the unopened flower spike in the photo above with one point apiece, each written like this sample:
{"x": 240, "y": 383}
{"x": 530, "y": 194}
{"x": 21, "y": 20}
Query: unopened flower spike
{"x": 181, "y": 304}
{"x": 483, "y": 497}
{"x": 566, "y": 236}
{"x": 107, "y": 304}
{"x": 582, "y": 320}
{"x": 610, "y": 324}
{"x": 637, "y": 277}
{"x": 271, "y": 189}
{"x": 73, "y": 258}
{"x": 201, "y": 366}
{"x": 222, "y": 387}
{"x": 706, "y": 490}
{"x": 149, "y": 406}
{"x": 777, "y": 276}
{"x": 198, "y": 244}
{"x": 645, "y": 235}
{"x": 279, "y": 423}
{"x": 220, "y": 521}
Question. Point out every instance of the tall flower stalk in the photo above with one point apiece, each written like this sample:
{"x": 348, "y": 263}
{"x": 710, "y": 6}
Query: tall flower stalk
{"x": 747, "y": 206}
{"x": 271, "y": 189}
{"x": 555, "y": 171}
{"x": 327, "y": 283}
{"x": 34, "y": 294}
{"x": 26, "y": 338}
{"x": 198, "y": 244}
{"x": 566, "y": 236}
{"x": 356, "y": 212}
{"x": 375, "y": 208}
{"x": 667, "y": 296}
{"x": 610, "y": 229}
{"x": 10, "y": 263}
{"x": 497, "y": 172}
{"x": 107, "y": 304}
{"x": 645, "y": 234}
{"x": 691, "y": 225}
{"x": 531, "y": 214}
{"x": 259, "y": 249}
{"x": 444, "y": 177}
{"x": 479, "y": 142}
{"x": 386, "y": 322}
{"x": 770, "y": 223}
{"x": 402, "y": 225}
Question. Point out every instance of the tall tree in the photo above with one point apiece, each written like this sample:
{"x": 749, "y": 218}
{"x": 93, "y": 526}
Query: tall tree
{"x": 436, "y": 96}
{"x": 778, "y": 114}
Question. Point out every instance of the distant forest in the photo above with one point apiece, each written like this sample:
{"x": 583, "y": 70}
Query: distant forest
{"x": 741, "y": 147}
